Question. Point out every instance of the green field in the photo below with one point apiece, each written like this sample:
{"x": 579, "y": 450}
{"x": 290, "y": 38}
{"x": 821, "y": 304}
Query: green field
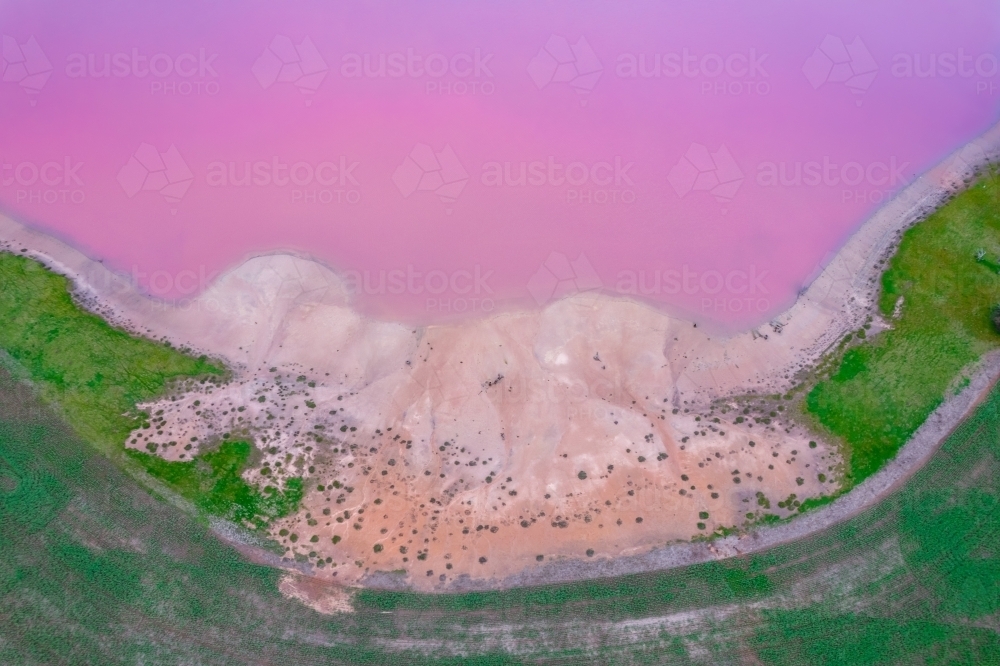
{"x": 881, "y": 390}
{"x": 95, "y": 570}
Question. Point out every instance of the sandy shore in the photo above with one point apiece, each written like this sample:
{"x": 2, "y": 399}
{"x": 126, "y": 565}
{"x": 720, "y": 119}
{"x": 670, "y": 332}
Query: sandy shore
{"x": 914, "y": 455}
{"x": 531, "y": 447}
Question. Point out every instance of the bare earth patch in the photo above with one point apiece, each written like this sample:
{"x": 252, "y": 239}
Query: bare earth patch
{"x": 321, "y": 597}
{"x": 473, "y": 450}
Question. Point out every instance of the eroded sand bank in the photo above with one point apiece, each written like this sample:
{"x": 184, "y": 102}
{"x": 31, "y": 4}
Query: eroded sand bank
{"x": 458, "y": 455}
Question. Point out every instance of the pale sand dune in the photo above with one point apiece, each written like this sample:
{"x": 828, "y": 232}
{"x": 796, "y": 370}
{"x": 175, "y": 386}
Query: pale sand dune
{"x": 472, "y": 437}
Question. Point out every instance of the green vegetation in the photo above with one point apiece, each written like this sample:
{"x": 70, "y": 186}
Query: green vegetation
{"x": 213, "y": 482}
{"x": 94, "y": 570}
{"x": 95, "y": 375}
{"x": 94, "y": 372}
{"x": 882, "y": 389}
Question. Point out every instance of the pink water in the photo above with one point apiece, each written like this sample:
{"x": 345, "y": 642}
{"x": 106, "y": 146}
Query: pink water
{"x": 666, "y": 143}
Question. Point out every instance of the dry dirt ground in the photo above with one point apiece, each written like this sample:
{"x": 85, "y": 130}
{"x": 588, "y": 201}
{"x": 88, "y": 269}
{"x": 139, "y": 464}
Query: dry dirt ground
{"x": 594, "y": 428}
{"x": 475, "y": 449}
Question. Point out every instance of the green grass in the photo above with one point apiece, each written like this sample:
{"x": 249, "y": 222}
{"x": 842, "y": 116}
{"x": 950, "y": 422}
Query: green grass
{"x": 96, "y": 375}
{"x": 94, "y": 372}
{"x": 885, "y": 387}
{"x": 94, "y": 570}
{"x": 213, "y": 482}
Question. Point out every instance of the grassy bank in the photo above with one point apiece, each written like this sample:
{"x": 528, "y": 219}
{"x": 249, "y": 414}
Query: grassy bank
{"x": 95, "y": 375}
{"x": 213, "y": 482}
{"x": 881, "y": 390}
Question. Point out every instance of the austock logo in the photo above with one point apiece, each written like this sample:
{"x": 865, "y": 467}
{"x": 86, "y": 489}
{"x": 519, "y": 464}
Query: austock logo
{"x": 733, "y": 292}
{"x": 561, "y": 62}
{"x": 981, "y": 68}
{"x": 703, "y": 171}
{"x": 690, "y": 65}
{"x": 285, "y": 62}
{"x": 451, "y": 292}
{"x": 25, "y": 64}
{"x": 149, "y": 170}
{"x": 558, "y": 277}
{"x": 424, "y": 170}
{"x": 836, "y": 62}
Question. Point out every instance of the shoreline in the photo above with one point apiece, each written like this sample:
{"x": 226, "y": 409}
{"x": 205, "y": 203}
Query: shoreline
{"x": 833, "y": 304}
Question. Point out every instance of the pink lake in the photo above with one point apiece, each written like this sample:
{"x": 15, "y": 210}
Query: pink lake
{"x": 456, "y": 159}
